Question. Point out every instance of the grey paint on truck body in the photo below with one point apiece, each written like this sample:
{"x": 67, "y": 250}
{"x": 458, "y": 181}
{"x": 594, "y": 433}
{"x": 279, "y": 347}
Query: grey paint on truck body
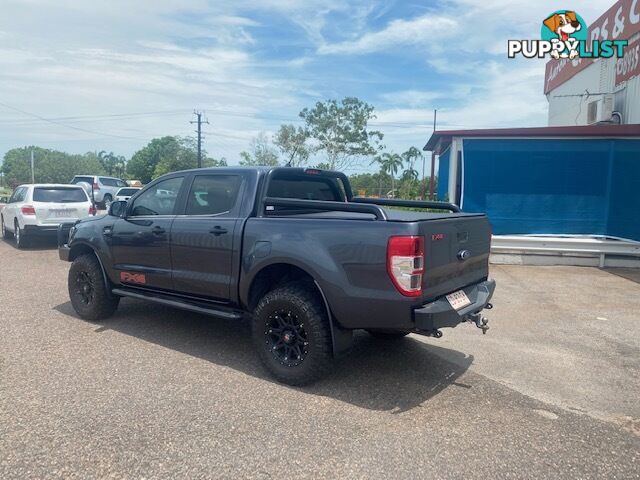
{"x": 345, "y": 253}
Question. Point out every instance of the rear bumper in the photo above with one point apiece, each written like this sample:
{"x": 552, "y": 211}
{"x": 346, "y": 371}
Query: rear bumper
{"x": 41, "y": 230}
{"x": 440, "y": 314}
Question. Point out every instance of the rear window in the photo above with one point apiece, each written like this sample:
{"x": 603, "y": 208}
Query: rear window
{"x": 127, "y": 191}
{"x": 59, "y": 195}
{"x": 305, "y": 187}
{"x": 88, "y": 180}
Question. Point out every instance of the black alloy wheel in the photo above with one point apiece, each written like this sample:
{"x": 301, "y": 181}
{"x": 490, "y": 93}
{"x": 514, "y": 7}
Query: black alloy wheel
{"x": 84, "y": 287}
{"x": 286, "y": 337}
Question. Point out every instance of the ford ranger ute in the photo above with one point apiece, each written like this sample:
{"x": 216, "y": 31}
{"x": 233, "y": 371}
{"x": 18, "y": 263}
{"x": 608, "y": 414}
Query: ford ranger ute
{"x": 290, "y": 249}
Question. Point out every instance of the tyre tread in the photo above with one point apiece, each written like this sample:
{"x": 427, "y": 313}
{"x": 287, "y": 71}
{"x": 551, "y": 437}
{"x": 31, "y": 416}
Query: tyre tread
{"x": 105, "y": 305}
{"x": 310, "y": 304}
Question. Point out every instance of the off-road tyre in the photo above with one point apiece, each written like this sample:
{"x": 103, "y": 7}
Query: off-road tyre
{"x": 308, "y": 324}
{"x": 88, "y": 292}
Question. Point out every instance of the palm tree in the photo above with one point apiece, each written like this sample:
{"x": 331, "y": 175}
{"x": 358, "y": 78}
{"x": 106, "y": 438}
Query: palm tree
{"x": 411, "y": 174}
{"x": 390, "y": 163}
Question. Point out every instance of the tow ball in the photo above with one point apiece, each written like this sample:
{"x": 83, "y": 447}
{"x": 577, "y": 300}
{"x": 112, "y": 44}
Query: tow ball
{"x": 480, "y": 321}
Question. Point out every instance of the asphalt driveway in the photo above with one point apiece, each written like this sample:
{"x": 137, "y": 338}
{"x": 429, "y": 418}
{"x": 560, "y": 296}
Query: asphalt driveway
{"x": 551, "y": 391}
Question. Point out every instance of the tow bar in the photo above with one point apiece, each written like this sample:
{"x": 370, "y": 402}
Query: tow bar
{"x": 480, "y": 321}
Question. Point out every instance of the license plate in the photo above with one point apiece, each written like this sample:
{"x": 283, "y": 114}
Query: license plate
{"x": 458, "y": 300}
{"x": 61, "y": 213}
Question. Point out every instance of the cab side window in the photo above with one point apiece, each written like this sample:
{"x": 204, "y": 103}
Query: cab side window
{"x": 213, "y": 194}
{"x": 160, "y": 199}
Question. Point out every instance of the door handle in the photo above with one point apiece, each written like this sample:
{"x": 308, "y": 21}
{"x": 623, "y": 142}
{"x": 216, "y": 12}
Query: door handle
{"x": 158, "y": 230}
{"x": 218, "y": 230}
{"x": 107, "y": 232}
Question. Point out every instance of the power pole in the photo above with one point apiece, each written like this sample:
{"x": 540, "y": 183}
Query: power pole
{"x": 199, "y": 121}
{"x": 33, "y": 175}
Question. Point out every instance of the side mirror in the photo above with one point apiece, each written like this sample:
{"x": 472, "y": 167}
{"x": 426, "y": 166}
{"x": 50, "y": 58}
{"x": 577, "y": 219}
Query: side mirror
{"x": 117, "y": 209}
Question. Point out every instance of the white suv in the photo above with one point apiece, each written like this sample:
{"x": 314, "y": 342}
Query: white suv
{"x": 104, "y": 188}
{"x": 38, "y": 209}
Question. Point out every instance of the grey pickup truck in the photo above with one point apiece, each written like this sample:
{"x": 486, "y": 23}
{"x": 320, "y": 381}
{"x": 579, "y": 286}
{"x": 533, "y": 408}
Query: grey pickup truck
{"x": 291, "y": 250}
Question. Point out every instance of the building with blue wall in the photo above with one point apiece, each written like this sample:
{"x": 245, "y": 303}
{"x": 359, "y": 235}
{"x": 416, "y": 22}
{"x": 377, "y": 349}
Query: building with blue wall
{"x": 551, "y": 180}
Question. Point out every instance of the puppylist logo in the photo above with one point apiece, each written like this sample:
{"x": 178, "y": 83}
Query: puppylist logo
{"x": 564, "y": 35}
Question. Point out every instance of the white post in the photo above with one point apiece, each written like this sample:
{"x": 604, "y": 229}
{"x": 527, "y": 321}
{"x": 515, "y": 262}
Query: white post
{"x": 453, "y": 169}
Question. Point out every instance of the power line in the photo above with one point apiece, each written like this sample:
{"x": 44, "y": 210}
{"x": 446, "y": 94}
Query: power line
{"x": 93, "y": 118}
{"x": 54, "y": 122}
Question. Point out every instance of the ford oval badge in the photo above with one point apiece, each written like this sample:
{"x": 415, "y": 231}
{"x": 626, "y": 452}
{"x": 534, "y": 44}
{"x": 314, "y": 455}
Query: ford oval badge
{"x": 464, "y": 255}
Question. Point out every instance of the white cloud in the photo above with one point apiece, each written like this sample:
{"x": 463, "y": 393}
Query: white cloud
{"x": 119, "y": 57}
{"x": 417, "y": 31}
{"x": 65, "y": 57}
{"x": 462, "y": 26}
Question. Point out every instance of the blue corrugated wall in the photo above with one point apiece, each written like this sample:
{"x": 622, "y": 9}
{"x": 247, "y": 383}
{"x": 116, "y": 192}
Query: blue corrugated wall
{"x": 554, "y": 186}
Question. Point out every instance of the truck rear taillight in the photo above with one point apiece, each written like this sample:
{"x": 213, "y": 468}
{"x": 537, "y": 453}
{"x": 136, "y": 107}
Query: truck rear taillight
{"x": 96, "y": 186}
{"x": 405, "y": 264}
{"x": 92, "y": 210}
{"x": 28, "y": 210}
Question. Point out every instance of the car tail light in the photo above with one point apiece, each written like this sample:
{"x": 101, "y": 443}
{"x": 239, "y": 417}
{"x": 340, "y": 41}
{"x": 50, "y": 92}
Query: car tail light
{"x": 96, "y": 186}
{"x": 405, "y": 264}
{"x": 28, "y": 210}
{"x": 92, "y": 210}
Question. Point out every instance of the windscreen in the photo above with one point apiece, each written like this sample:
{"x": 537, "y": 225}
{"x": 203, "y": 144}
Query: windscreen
{"x": 59, "y": 195}
{"x": 127, "y": 191}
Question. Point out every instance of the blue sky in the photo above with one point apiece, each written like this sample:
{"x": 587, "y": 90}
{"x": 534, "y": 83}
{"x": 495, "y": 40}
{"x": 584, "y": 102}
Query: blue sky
{"x": 114, "y": 74}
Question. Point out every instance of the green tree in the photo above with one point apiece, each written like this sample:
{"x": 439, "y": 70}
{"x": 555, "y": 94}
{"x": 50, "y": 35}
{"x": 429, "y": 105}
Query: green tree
{"x": 390, "y": 163}
{"x": 113, "y": 164}
{"x": 292, "y": 142}
{"x": 181, "y": 154}
{"x": 409, "y": 180}
{"x": 410, "y": 158}
{"x": 323, "y": 166}
{"x": 167, "y": 154}
{"x": 143, "y": 163}
{"x": 340, "y": 130}
{"x": 261, "y": 153}
{"x": 50, "y": 166}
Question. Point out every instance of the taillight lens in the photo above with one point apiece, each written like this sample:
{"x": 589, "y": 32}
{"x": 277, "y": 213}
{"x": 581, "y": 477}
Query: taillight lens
{"x": 92, "y": 210}
{"x": 405, "y": 264}
{"x": 28, "y": 210}
{"x": 96, "y": 186}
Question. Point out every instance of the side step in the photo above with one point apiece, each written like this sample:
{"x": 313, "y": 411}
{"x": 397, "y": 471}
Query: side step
{"x": 198, "y": 307}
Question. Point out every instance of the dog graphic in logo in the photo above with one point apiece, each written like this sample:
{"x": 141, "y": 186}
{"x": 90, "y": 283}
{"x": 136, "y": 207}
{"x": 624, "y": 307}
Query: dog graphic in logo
{"x": 564, "y": 25}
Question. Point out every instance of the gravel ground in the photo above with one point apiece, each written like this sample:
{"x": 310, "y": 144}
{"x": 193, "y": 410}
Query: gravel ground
{"x": 551, "y": 391}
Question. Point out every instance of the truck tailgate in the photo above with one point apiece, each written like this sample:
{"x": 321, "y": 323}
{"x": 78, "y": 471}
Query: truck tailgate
{"x": 456, "y": 253}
